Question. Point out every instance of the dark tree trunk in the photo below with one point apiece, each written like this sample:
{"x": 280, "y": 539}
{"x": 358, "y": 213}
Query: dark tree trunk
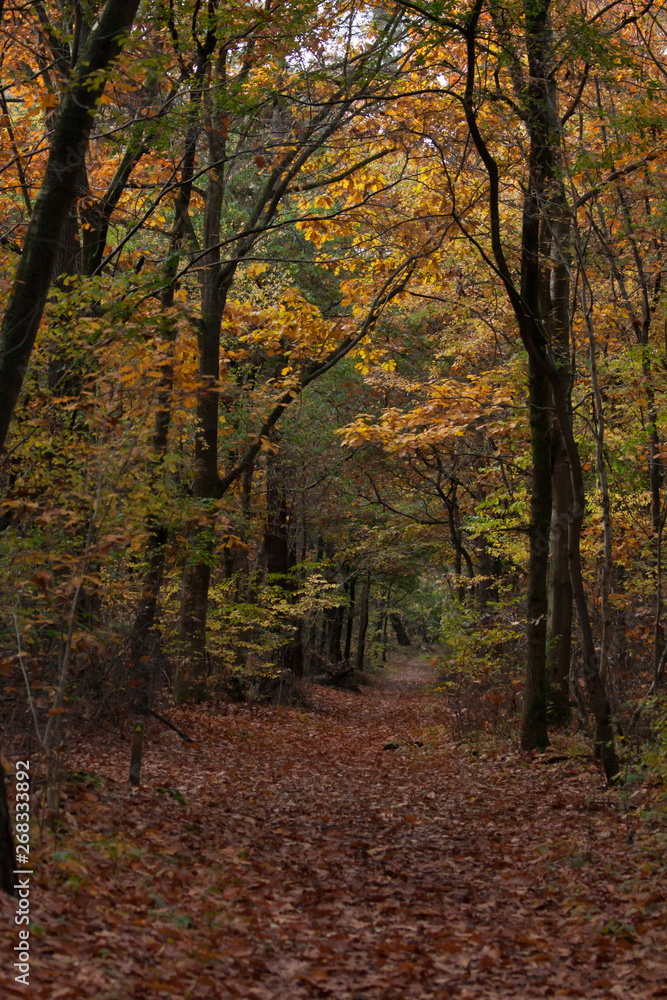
{"x": 399, "y": 628}
{"x": 534, "y": 730}
{"x": 595, "y": 686}
{"x": 458, "y": 566}
{"x": 281, "y": 560}
{"x": 335, "y": 633}
{"x": 143, "y": 640}
{"x": 544, "y": 192}
{"x": 460, "y": 552}
{"x": 382, "y": 627}
{"x": 363, "y": 623}
{"x": 190, "y": 677}
{"x": 350, "y": 618}
{"x": 65, "y": 373}
{"x": 535, "y": 304}
{"x": 655, "y": 477}
{"x": 276, "y": 532}
{"x": 559, "y": 630}
{"x": 57, "y": 194}
{"x": 545, "y": 132}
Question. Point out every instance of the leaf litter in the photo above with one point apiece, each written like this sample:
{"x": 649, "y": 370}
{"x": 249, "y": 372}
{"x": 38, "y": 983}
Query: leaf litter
{"x": 284, "y": 855}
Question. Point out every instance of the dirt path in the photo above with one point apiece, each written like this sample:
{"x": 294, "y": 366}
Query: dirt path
{"x": 288, "y": 855}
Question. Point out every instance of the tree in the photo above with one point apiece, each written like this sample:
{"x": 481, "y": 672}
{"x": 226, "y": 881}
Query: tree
{"x": 60, "y": 186}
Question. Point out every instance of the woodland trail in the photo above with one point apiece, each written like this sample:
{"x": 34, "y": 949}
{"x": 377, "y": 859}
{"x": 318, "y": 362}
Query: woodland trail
{"x": 286, "y": 855}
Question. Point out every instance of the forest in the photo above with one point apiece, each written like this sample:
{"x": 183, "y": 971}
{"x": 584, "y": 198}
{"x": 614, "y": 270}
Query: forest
{"x": 333, "y": 441}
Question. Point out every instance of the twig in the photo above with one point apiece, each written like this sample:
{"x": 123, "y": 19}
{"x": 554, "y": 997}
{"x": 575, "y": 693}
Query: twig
{"x": 170, "y": 725}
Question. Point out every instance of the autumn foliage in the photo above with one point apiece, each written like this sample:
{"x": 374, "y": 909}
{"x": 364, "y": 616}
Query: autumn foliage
{"x": 331, "y": 330}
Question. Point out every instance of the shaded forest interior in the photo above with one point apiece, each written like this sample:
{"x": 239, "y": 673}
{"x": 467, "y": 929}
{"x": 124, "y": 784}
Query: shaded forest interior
{"x": 332, "y": 332}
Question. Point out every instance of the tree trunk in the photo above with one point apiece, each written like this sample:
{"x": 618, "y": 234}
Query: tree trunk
{"x": 399, "y": 628}
{"x": 57, "y": 194}
{"x": 604, "y": 737}
{"x": 601, "y": 469}
{"x": 657, "y": 514}
{"x": 534, "y": 731}
{"x": 281, "y": 560}
{"x": 544, "y": 193}
{"x": 336, "y": 632}
{"x": 559, "y": 630}
{"x": 350, "y": 618}
{"x": 142, "y": 640}
{"x": 189, "y": 681}
{"x": 363, "y": 623}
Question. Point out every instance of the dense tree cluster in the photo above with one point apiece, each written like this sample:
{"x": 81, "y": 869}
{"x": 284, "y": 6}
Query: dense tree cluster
{"x": 328, "y": 326}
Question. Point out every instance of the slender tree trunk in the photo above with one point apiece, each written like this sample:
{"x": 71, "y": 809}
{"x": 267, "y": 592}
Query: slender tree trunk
{"x": 486, "y": 591}
{"x": 534, "y": 731}
{"x": 595, "y": 686}
{"x": 535, "y": 303}
{"x": 143, "y": 641}
{"x": 538, "y": 96}
{"x": 601, "y": 469}
{"x": 363, "y": 623}
{"x": 559, "y": 629}
{"x": 336, "y": 634}
{"x": 383, "y": 622}
{"x": 657, "y": 513}
{"x": 281, "y": 561}
{"x": 350, "y": 618}
{"x": 460, "y": 551}
{"x": 190, "y": 676}
{"x": 649, "y": 285}
{"x": 458, "y": 566}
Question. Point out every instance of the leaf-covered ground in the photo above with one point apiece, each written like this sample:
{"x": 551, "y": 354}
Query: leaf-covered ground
{"x": 286, "y": 854}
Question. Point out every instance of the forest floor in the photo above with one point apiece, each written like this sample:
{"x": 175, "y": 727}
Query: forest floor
{"x": 286, "y": 854}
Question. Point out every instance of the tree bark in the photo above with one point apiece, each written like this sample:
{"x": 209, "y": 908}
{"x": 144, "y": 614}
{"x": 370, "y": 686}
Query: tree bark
{"x": 350, "y": 618}
{"x": 534, "y": 729}
{"x": 544, "y": 130}
{"x": 399, "y": 628}
{"x": 335, "y": 633}
{"x": 281, "y": 560}
{"x": 460, "y": 551}
{"x": 190, "y": 676}
{"x": 559, "y": 628}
